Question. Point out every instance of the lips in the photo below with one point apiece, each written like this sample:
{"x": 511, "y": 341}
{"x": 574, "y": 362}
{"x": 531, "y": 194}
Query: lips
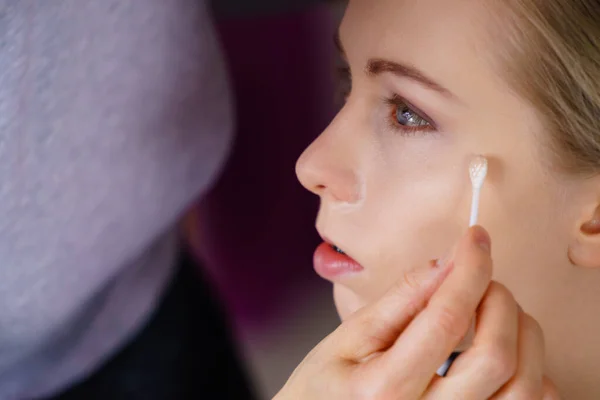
{"x": 331, "y": 262}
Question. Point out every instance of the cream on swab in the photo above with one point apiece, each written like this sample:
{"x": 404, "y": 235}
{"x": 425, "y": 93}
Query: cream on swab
{"x": 477, "y": 172}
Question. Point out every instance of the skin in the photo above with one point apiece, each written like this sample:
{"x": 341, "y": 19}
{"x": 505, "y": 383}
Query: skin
{"x": 394, "y": 199}
{"x": 388, "y": 350}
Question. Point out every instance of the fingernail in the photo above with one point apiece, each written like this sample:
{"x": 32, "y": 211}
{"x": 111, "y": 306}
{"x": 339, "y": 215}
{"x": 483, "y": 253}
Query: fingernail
{"x": 482, "y": 238}
{"x": 445, "y": 262}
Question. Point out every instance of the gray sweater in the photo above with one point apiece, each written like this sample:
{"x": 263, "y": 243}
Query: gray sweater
{"x": 113, "y": 117}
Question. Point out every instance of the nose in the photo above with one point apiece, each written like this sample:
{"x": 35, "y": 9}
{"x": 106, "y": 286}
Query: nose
{"x": 329, "y": 166}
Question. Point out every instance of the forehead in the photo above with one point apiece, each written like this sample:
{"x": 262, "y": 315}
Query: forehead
{"x": 446, "y": 39}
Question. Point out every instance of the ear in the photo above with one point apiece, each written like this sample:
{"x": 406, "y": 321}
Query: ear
{"x": 584, "y": 250}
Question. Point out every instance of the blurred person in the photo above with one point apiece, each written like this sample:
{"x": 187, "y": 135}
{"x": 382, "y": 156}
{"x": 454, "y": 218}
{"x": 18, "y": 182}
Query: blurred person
{"x": 115, "y": 117}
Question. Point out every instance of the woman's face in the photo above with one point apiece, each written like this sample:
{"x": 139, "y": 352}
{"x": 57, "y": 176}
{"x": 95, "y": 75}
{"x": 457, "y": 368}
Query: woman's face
{"x": 391, "y": 169}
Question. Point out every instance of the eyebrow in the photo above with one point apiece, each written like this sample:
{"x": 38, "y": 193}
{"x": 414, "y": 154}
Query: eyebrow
{"x": 378, "y": 66}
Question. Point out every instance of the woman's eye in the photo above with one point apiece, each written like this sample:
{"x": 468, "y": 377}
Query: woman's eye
{"x": 407, "y": 117}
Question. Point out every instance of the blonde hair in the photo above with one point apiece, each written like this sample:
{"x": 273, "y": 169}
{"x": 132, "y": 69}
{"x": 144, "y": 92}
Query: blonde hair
{"x": 556, "y": 46}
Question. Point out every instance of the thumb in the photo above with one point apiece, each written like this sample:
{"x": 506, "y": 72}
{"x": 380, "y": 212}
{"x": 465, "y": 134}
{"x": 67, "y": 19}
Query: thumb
{"x": 377, "y": 326}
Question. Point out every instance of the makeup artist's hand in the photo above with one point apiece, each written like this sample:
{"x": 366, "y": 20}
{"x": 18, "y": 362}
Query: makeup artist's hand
{"x": 393, "y": 348}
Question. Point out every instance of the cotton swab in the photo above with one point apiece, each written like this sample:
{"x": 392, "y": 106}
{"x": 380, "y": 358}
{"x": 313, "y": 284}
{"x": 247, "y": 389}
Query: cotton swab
{"x": 477, "y": 172}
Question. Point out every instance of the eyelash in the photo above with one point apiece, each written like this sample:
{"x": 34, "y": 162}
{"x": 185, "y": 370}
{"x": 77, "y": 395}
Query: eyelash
{"x": 394, "y": 103}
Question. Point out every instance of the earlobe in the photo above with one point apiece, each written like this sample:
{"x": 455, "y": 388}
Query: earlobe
{"x": 584, "y": 251}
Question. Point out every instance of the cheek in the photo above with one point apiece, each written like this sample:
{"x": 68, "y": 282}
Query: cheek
{"x": 530, "y": 222}
{"x": 416, "y": 207}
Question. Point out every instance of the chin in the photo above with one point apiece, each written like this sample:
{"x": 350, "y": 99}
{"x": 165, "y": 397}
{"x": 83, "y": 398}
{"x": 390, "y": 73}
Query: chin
{"x": 346, "y": 301}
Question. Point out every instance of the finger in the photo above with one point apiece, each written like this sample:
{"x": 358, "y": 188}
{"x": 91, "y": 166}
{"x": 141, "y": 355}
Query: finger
{"x": 528, "y": 382}
{"x": 492, "y": 359}
{"x": 431, "y": 337}
{"x": 550, "y": 390}
{"x": 375, "y": 327}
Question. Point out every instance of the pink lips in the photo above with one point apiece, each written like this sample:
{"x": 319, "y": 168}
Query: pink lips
{"x": 331, "y": 264}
